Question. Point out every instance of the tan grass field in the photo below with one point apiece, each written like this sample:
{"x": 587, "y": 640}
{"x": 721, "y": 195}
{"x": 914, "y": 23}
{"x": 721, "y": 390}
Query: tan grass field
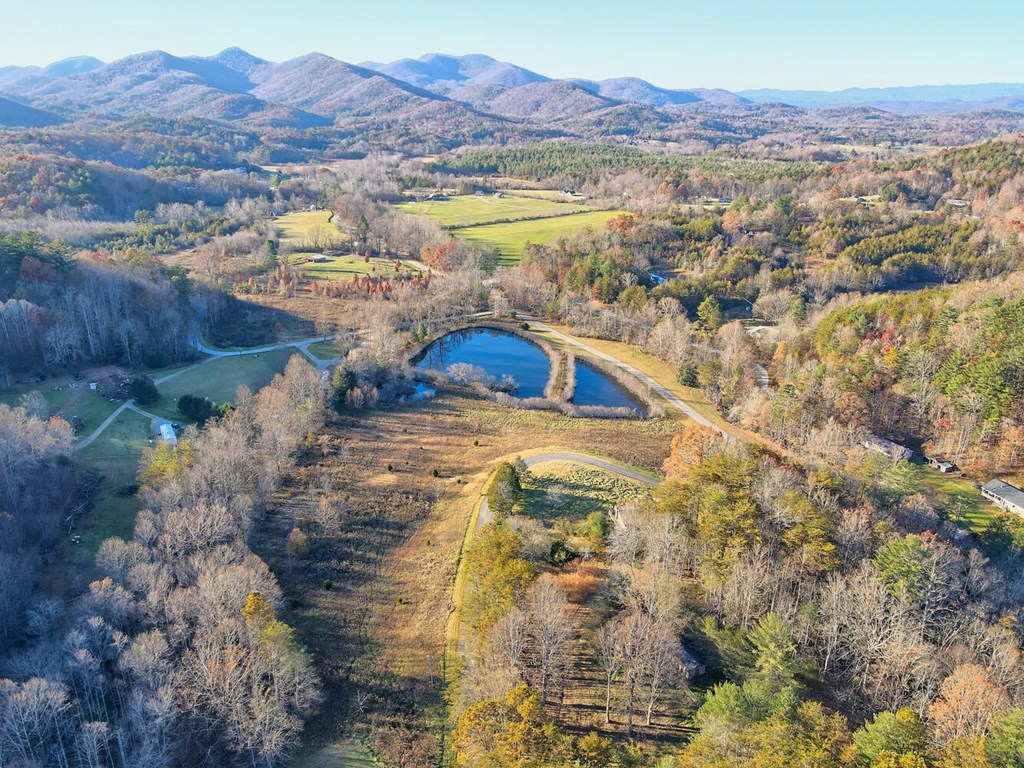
{"x": 380, "y": 631}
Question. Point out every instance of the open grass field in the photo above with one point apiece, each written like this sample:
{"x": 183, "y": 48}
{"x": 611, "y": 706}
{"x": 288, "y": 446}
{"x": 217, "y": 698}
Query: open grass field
{"x": 471, "y": 210}
{"x": 510, "y": 239}
{"x": 341, "y": 268}
{"x": 958, "y": 498}
{"x": 382, "y": 627}
{"x": 54, "y": 400}
{"x": 219, "y": 379}
{"x": 567, "y": 490}
{"x": 115, "y": 454}
{"x": 303, "y": 229}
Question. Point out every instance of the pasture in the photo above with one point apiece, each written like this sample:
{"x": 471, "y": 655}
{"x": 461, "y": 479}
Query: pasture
{"x": 308, "y": 231}
{"x": 510, "y": 239}
{"x": 219, "y": 379}
{"x": 115, "y": 455}
{"x": 341, "y": 268}
{"x": 472, "y": 210}
{"x": 86, "y": 404}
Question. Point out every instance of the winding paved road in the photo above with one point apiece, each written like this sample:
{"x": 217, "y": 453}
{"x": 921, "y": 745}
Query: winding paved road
{"x": 485, "y": 516}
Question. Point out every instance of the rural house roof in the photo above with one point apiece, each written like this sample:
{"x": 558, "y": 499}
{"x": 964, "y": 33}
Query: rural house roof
{"x": 1003, "y": 491}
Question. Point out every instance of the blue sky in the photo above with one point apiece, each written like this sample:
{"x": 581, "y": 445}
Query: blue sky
{"x": 735, "y": 44}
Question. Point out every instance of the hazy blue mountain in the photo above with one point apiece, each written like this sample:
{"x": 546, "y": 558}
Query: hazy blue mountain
{"x": 157, "y": 83}
{"x": 477, "y": 79}
{"x": 635, "y": 89}
{"x": 544, "y": 101}
{"x": 441, "y": 94}
{"x": 327, "y": 86}
{"x": 63, "y": 68}
{"x": 76, "y": 65}
{"x": 954, "y": 97}
{"x": 442, "y": 73}
{"x": 11, "y": 74}
{"x": 14, "y": 114}
{"x": 642, "y": 92}
{"x": 239, "y": 61}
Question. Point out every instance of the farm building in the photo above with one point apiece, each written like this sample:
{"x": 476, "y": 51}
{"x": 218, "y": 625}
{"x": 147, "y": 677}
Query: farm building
{"x": 937, "y": 462}
{"x": 319, "y": 258}
{"x": 894, "y": 451}
{"x": 1007, "y": 496}
{"x": 167, "y": 433}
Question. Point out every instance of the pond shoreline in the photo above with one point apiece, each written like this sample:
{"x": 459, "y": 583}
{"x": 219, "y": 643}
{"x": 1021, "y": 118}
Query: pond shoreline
{"x": 561, "y": 384}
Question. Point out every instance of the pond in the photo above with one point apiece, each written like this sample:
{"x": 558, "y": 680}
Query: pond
{"x": 497, "y": 353}
{"x": 596, "y": 388}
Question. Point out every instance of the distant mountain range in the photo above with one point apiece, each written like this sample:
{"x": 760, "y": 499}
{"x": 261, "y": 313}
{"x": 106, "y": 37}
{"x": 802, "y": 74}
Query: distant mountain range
{"x": 474, "y": 94}
{"x": 923, "y": 98}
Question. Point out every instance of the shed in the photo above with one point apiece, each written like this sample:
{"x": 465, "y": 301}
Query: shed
{"x": 939, "y": 463}
{"x": 166, "y": 430}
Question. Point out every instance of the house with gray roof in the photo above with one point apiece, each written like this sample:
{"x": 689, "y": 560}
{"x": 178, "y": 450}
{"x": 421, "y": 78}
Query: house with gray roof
{"x": 1007, "y": 496}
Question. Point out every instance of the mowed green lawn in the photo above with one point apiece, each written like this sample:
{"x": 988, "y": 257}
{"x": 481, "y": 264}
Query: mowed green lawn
{"x": 300, "y": 228}
{"x": 341, "y": 268}
{"x": 958, "y": 498}
{"x": 219, "y": 379}
{"x": 470, "y": 210}
{"x": 510, "y": 239}
{"x": 116, "y": 455}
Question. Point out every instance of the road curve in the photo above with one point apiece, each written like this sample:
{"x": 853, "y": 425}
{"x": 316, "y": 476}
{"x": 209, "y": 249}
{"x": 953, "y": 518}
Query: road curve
{"x": 671, "y": 399}
{"x": 103, "y": 425}
{"x": 485, "y": 515}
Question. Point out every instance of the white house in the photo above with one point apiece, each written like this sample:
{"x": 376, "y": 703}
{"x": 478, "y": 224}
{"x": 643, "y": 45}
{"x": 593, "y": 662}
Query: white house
{"x": 1007, "y": 496}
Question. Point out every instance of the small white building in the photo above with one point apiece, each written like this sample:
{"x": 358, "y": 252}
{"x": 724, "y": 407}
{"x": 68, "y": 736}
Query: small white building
{"x": 941, "y": 464}
{"x": 167, "y": 433}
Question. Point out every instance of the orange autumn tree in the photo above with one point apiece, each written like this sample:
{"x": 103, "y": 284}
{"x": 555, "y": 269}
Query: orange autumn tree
{"x": 621, "y": 223}
{"x": 690, "y": 448}
{"x": 967, "y": 705}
